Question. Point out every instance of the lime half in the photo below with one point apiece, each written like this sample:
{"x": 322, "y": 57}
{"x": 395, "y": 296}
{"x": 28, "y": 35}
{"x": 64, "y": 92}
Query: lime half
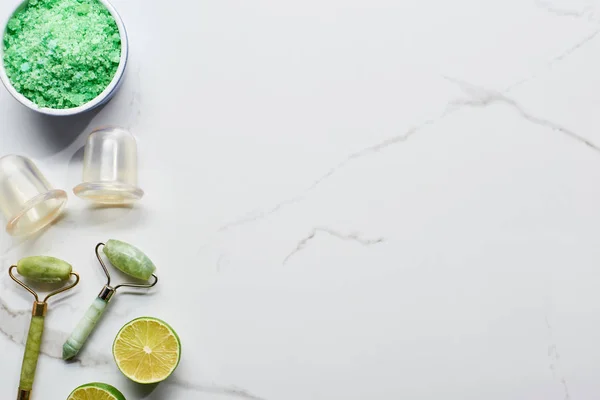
{"x": 147, "y": 350}
{"x": 96, "y": 391}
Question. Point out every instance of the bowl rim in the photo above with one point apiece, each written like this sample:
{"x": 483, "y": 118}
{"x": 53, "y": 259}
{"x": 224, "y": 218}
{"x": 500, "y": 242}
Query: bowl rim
{"x": 98, "y": 100}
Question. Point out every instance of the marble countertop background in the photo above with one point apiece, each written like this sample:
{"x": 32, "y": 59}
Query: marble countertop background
{"x": 346, "y": 199}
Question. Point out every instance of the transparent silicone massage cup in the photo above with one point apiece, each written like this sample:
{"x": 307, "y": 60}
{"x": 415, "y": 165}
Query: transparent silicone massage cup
{"x": 27, "y": 200}
{"x": 110, "y": 168}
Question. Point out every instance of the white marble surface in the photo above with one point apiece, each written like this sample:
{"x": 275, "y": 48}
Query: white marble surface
{"x": 347, "y": 199}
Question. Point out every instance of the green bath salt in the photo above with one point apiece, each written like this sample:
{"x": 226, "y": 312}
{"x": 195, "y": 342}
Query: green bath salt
{"x": 61, "y": 53}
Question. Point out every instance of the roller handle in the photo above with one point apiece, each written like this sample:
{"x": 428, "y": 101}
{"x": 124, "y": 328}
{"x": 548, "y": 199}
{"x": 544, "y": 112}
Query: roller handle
{"x": 30, "y": 358}
{"x": 84, "y": 328}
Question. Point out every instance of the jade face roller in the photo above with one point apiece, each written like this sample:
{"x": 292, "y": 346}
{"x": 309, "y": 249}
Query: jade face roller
{"x": 41, "y": 269}
{"x": 129, "y": 260}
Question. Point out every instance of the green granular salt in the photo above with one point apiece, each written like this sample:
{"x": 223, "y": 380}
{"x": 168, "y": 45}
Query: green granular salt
{"x": 61, "y": 53}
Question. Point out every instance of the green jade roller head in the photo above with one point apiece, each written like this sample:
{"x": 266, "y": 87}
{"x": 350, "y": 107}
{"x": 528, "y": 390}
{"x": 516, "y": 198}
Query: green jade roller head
{"x": 129, "y": 260}
{"x": 47, "y": 270}
{"x": 44, "y": 269}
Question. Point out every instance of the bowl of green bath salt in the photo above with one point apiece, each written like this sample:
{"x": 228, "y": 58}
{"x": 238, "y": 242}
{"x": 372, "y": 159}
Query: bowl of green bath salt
{"x": 63, "y": 57}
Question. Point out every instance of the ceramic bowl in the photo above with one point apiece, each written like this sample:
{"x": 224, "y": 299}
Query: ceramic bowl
{"x": 101, "y": 99}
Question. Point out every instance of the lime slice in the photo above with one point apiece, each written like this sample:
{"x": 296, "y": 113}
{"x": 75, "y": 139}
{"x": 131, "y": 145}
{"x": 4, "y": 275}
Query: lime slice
{"x": 96, "y": 391}
{"x": 147, "y": 350}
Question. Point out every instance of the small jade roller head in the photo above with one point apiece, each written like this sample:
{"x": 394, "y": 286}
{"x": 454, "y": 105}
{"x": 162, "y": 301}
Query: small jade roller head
{"x": 129, "y": 259}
